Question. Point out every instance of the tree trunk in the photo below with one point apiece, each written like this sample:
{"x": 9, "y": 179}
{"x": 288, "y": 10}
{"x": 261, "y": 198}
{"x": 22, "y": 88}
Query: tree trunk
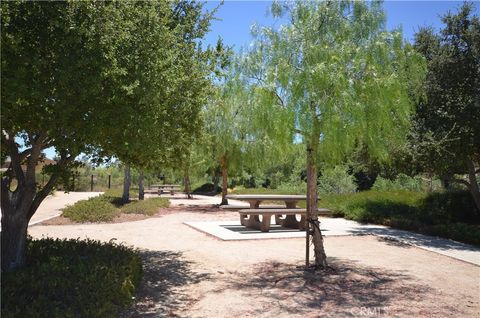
{"x": 313, "y": 225}
{"x": 186, "y": 184}
{"x": 141, "y": 189}
{"x": 215, "y": 180}
{"x": 474, "y": 189}
{"x": 224, "y": 167}
{"x": 14, "y": 237}
{"x": 126, "y": 185}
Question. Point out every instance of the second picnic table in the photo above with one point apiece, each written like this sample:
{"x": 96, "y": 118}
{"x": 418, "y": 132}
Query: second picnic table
{"x": 250, "y": 217}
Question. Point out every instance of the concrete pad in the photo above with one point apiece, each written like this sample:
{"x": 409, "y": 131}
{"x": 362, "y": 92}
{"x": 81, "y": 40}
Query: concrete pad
{"x": 233, "y": 230}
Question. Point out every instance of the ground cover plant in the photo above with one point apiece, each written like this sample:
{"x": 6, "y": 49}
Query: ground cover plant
{"x": 71, "y": 278}
{"x": 109, "y": 205}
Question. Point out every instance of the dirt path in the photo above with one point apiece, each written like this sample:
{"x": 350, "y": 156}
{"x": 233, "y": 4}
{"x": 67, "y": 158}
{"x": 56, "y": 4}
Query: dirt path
{"x": 190, "y": 274}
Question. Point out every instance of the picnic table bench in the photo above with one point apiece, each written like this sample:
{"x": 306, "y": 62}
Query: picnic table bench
{"x": 161, "y": 188}
{"x": 284, "y": 215}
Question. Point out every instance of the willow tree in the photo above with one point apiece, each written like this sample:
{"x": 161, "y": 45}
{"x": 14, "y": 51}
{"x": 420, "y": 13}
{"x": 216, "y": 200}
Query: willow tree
{"x": 342, "y": 79}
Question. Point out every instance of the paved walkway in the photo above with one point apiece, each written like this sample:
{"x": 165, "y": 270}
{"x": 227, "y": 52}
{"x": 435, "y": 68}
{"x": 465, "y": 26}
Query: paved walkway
{"x": 52, "y": 205}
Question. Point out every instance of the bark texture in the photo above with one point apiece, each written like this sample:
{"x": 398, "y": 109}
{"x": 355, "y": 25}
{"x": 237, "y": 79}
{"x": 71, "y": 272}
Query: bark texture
{"x": 313, "y": 226}
{"x": 141, "y": 188}
{"x": 126, "y": 185}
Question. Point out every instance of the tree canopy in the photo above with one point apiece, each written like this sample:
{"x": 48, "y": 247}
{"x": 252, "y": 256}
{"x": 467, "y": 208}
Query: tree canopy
{"x": 130, "y": 85}
{"x": 446, "y": 134}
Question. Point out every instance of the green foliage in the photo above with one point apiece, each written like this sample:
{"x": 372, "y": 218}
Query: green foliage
{"x": 446, "y": 214}
{"x": 335, "y": 75}
{"x": 106, "y": 207}
{"x": 147, "y": 207}
{"x": 401, "y": 182}
{"x": 336, "y": 181}
{"x": 97, "y": 209}
{"x": 71, "y": 278}
{"x": 446, "y": 131}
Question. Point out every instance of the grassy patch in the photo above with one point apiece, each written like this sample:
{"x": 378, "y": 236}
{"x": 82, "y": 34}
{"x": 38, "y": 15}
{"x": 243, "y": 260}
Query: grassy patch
{"x": 106, "y": 207}
{"x": 71, "y": 278}
{"x": 97, "y": 209}
{"x": 147, "y": 207}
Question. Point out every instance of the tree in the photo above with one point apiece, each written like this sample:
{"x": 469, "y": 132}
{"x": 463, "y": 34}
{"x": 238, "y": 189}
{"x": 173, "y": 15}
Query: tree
{"x": 340, "y": 77}
{"x": 74, "y": 80}
{"x": 446, "y": 133}
{"x": 163, "y": 72}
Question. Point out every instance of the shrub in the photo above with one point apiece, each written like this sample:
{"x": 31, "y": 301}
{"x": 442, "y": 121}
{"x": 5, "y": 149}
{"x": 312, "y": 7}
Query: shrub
{"x": 401, "y": 183}
{"x": 71, "y": 278}
{"x": 336, "y": 181}
{"x": 97, "y": 209}
{"x": 147, "y": 207}
{"x": 442, "y": 214}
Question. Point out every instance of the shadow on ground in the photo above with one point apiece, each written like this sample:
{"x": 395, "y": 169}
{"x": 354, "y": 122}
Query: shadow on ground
{"x": 162, "y": 289}
{"x": 411, "y": 238}
{"x": 346, "y": 290}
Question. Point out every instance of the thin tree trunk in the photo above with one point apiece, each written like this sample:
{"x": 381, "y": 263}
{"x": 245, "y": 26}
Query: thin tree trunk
{"x": 141, "y": 189}
{"x": 215, "y": 180}
{"x": 224, "y": 167}
{"x": 186, "y": 184}
{"x": 313, "y": 225}
{"x": 474, "y": 189}
{"x": 126, "y": 184}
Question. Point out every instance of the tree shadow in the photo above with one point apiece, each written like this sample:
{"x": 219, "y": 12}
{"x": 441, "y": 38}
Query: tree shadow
{"x": 161, "y": 292}
{"x": 342, "y": 290}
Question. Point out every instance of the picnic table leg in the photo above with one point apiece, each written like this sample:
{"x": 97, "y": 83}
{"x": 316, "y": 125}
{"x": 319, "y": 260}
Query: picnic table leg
{"x": 265, "y": 225}
{"x": 253, "y": 219}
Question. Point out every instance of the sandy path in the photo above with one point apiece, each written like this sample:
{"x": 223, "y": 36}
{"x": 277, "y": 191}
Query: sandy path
{"x": 190, "y": 274}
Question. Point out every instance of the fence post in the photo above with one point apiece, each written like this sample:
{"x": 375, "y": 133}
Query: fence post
{"x": 73, "y": 183}
{"x": 91, "y": 183}
{"x": 109, "y": 180}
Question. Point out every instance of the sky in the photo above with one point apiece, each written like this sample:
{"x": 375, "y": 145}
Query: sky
{"x": 236, "y": 18}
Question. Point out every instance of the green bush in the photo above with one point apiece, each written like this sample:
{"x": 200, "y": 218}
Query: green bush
{"x": 147, "y": 207}
{"x": 336, "y": 181}
{"x": 403, "y": 183}
{"x": 71, "y": 278}
{"x": 446, "y": 214}
{"x": 97, "y": 209}
{"x": 106, "y": 207}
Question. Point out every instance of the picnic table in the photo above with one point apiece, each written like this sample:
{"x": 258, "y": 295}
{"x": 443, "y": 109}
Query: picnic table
{"x": 166, "y": 188}
{"x": 250, "y": 217}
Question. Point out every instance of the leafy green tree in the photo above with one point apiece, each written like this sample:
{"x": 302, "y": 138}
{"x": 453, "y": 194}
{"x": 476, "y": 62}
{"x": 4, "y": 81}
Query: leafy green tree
{"x": 446, "y": 134}
{"x": 83, "y": 83}
{"x": 340, "y": 78}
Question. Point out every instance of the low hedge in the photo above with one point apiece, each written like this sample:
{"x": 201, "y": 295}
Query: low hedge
{"x": 147, "y": 207}
{"x": 71, "y": 278}
{"x": 96, "y": 209}
{"x": 446, "y": 214}
{"x": 106, "y": 207}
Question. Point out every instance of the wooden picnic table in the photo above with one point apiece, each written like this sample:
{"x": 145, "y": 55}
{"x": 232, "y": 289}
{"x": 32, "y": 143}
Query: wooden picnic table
{"x": 250, "y": 217}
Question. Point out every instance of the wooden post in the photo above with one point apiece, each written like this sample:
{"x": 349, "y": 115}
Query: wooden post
{"x": 73, "y": 182}
{"x": 109, "y": 180}
{"x": 91, "y": 183}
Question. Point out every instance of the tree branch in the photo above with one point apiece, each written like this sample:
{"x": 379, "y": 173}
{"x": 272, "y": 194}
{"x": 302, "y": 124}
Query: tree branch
{"x": 15, "y": 162}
